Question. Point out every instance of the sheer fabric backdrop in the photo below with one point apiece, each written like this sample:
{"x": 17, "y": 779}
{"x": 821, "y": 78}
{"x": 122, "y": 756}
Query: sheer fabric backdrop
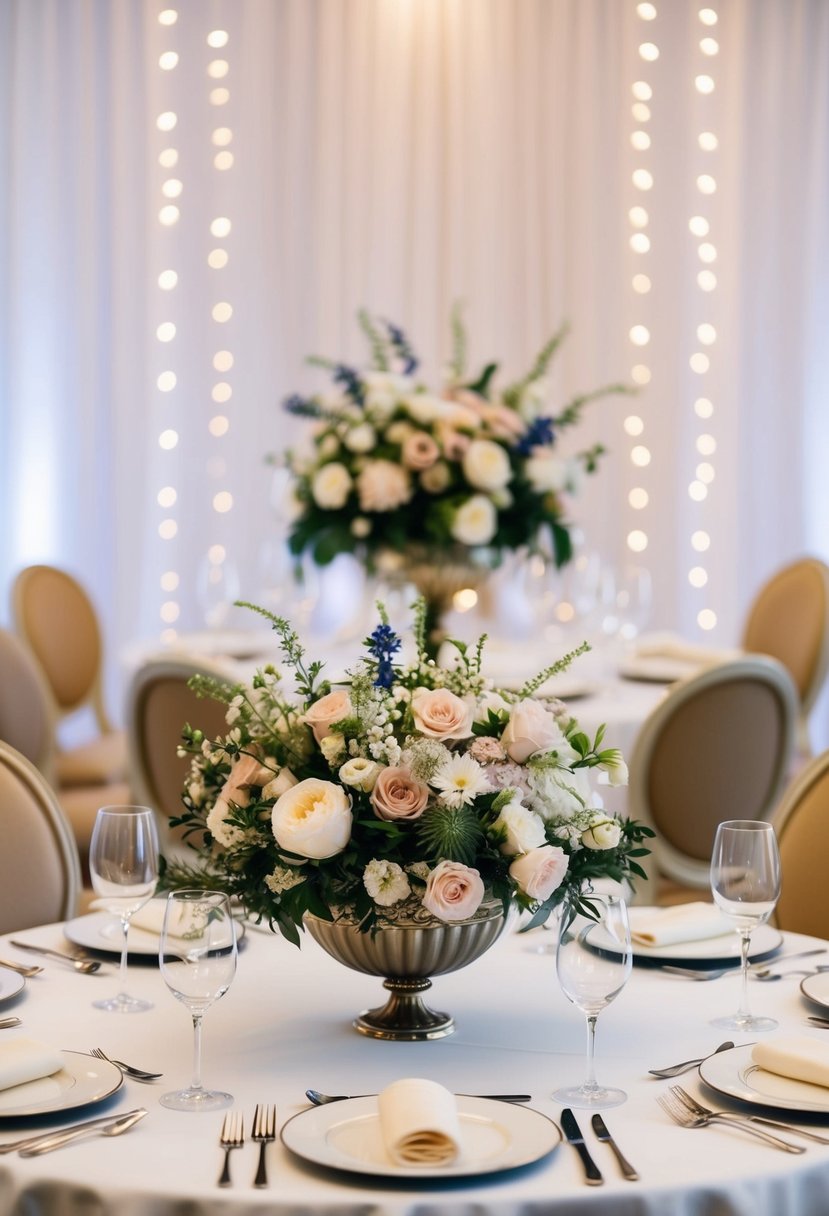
{"x": 401, "y": 155}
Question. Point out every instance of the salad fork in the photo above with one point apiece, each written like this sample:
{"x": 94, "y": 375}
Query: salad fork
{"x": 264, "y": 1131}
{"x": 232, "y": 1136}
{"x": 676, "y": 1109}
{"x": 138, "y": 1074}
{"x": 697, "y": 1108}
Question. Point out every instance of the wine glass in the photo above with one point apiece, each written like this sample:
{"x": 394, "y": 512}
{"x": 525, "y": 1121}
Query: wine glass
{"x": 123, "y": 865}
{"x": 593, "y": 962}
{"x": 745, "y": 883}
{"x": 197, "y": 956}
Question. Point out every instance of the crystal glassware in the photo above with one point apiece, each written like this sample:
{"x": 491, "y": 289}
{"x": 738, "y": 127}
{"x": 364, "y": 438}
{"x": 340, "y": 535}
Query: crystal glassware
{"x": 123, "y": 866}
{"x": 197, "y": 956}
{"x": 745, "y": 883}
{"x": 593, "y": 962}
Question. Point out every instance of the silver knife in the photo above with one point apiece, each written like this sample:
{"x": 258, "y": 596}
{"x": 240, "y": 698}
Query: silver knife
{"x": 600, "y": 1128}
{"x": 572, "y": 1131}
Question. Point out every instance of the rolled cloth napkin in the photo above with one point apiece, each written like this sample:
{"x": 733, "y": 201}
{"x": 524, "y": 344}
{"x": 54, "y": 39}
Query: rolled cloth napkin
{"x": 419, "y": 1123}
{"x": 694, "y": 922}
{"x": 795, "y": 1056}
{"x": 23, "y": 1060}
{"x": 150, "y": 918}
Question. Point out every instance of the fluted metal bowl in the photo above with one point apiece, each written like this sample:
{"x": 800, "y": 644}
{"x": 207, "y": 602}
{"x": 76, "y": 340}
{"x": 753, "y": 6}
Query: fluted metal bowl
{"x": 407, "y": 953}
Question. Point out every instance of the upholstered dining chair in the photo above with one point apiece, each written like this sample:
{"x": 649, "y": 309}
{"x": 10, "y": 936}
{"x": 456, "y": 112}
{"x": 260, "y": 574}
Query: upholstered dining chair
{"x": 39, "y": 867}
{"x": 56, "y": 618}
{"x": 717, "y": 747}
{"x": 801, "y": 822}
{"x": 789, "y": 620}
{"x": 159, "y": 703}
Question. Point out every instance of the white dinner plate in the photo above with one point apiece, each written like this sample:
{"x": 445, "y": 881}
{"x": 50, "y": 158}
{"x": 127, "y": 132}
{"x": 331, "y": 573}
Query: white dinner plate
{"x": 82, "y": 1081}
{"x": 101, "y": 931}
{"x": 712, "y": 951}
{"x": 494, "y": 1136}
{"x": 816, "y": 988}
{"x": 732, "y": 1073}
{"x": 658, "y": 669}
{"x": 566, "y": 688}
{"x": 11, "y": 982}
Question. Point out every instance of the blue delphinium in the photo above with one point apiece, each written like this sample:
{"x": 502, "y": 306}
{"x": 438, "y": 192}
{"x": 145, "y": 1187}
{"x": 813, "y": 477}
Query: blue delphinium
{"x": 538, "y": 434}
{"x": 351, "y": 383}
{"x": 382, "y": 644}
{"x": 401, "y": 345}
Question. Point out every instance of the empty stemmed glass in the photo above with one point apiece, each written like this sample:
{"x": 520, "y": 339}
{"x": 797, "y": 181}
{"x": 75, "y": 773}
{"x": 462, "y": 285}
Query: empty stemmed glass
{"x": 745, "y": 883}
{"x": 123, "y": 866}
{"x": 593, "y": 962}
{"x": 197, "y": 956}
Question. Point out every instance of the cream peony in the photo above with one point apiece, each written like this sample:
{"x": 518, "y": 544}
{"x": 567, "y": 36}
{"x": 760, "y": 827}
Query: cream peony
{"x": 360, "y": 772}
{"x": 453, "y": 891}
{"x": 539, "y": 872}
{"x": 436, "y": 479}
{"x": 524, "y": 830}
{"x": 603, "y": 834}
{"x": 331, "y": 486}
{"x": 475, "y": 521}
{"x": 486, "y": 465}
{"x": 383, "y": 486}
{"x": 398, "y": 795}
{"x": 313, "y": 819}
{"x": 439, "y": 714}
{"x": 532, "y": 728}
{"x": 331, "y": 708}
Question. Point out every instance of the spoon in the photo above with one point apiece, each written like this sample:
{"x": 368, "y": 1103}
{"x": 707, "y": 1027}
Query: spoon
{"x": 111, "y": 1129}
{"x": 20, "y": 969}
{"x": 318, "y": 1099}
{"x": 87, "y": 966}
{"x": 767, "y": 976}
{"x": 7, "y": 1023}
{"x": 687, "y": 1065}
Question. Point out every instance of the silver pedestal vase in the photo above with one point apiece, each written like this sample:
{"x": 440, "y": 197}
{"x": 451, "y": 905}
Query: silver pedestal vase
{"x": 407, "y": 953}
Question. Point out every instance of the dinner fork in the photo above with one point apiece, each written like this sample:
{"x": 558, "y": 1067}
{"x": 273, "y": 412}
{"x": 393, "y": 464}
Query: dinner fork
{"x": 138, "y": 1074}
{"x": 697, "y": 1108}
{"x": 264, "y": 1130}
{"x": 232, "y": 1136}
{"x": 679, "y": 1112}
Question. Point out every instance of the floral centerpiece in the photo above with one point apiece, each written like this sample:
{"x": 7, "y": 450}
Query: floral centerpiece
{"x": 409, "y": 790}
{"x": 445, "y": 480}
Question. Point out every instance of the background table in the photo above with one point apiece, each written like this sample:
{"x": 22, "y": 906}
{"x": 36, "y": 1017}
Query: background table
{"x": 285, "y": 1025}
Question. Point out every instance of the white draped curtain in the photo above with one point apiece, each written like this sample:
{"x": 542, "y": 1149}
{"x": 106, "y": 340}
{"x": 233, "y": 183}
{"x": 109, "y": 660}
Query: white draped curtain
{"x": 401, "y": 155}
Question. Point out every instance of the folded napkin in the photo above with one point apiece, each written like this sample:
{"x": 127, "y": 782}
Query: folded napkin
{"x": 795, "y": 1056}
{"x": 670, "y": 646}
{"x": 682, "y": 923}
{"x": 185, "y": 923}
{"x": 23, "y": 1060}
{"x": 419, "y": 1123}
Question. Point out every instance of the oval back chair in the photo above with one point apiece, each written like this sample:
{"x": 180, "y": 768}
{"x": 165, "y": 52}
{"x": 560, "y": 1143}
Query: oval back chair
{"x": 26, "y": 711}
{"x": 801, "y": 822}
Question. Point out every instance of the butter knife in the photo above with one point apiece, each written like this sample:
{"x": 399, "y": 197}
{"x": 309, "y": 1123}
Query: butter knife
{"x": 600, "y": 1128}
{"x": 572, "y": 1131}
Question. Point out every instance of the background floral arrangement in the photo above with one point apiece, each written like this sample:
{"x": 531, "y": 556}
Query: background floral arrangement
{"x": 464, "y": 469}
{"x": 409, "y": 791}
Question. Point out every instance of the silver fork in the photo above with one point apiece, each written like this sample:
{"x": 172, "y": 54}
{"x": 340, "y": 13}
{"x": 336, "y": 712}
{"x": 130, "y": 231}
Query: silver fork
{"x": 698, "y": 1109}
{"x": 138, "y": 1074}
{"x": 679, "y": 1112}
{"x": 264, "y": 1130}
{"x": 232, "y": 1136}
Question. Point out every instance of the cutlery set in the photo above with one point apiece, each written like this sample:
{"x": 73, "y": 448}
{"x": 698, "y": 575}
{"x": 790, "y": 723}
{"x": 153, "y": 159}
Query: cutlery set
{"x": 45, "y": 1142}
{"x": 762, "y": 970}
{"x": 233, "y": 1136}
{"x": 314, "y": 1096}
{"x": 592, "y": 1173}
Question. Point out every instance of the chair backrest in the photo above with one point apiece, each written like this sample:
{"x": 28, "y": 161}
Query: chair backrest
{"x": 789, "y": 620}
{"x": 801, "y": 822}
{"x": 717, "y": 747}
{"x": 40, "y": 873}
{"x": 27, "y": 714}
{"x": 158, "y": 705}
{"x": 56, "y": 617}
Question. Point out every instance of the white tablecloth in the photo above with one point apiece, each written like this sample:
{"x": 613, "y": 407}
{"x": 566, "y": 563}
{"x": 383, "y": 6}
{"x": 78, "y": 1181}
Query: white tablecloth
{"x": 286, "y": 1024}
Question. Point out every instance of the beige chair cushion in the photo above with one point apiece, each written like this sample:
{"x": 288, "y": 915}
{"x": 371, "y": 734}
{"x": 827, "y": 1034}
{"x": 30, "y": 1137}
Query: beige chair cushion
{"x": 25, "y": 710}
{"x": 100, "y": 761}
{"x": 57, "y": 619}
{"x": 789, "y": 620}
{"x": 80, "y": 804}
{"x": 802, "y": 825}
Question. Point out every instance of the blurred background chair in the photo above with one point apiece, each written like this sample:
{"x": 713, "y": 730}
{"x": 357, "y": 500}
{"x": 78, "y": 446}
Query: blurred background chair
{"x": 789, "y": 620}
{"x": 39, "y": 867}
{"x": 159, "y": 704}
{"x": 56, "y": 618}
{"x": 717, "y": 747}
{"x": 801, "y": 822}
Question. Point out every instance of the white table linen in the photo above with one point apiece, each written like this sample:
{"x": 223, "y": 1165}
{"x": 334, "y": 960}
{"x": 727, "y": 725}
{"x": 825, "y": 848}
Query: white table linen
{"x": 285, "y": 1025}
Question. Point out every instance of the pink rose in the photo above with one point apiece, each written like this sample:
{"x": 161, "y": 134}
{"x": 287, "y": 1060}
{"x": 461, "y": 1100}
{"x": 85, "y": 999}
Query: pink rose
{"x": 439, "y": 714}
{"x": 453, "y": 891}
{"x": 453, "y": 443}
{"x": 539, "y": 872}
{"x": 419, "y": 451}
{"x": 244, "y": 772}
{"x": 331, "y": 708}
{"x": 532, "y": 728}
{"x": 398, "y": 795}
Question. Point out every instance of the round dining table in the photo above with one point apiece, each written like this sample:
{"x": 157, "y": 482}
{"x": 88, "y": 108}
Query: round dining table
{"x": 285, "y": 1025}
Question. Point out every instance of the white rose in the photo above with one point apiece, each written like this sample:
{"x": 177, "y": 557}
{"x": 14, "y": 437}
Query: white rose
{"x": 524, "y": 830}
{"x": 331, "y": 486}
{"x": 360, "y": 772}
{"x": 313, "y": 819}
{"x": 361, "y": 438}
{"x": 284, "y": 780}
{"x": 547, "y": 473}
{"x": 616, "y": 769}
{"x": 475, "y": 522}
{"x": 539, "y": 872}
{"x": 425, "y": 408}
{"x": 486, "y": 465}
{"x": 383, "y": 486}
{"x": 532, "y": 728}
{"x": 603, "y": 834}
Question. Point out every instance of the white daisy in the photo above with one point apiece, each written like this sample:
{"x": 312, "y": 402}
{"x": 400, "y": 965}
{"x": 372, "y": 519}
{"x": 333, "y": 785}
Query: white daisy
{"x": 460, "y": 780}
